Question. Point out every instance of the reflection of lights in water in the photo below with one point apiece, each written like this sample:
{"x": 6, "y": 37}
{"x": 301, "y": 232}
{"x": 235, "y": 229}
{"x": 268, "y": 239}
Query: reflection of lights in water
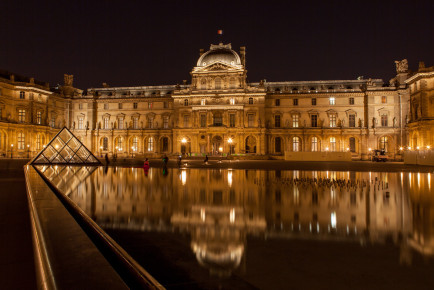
{"x": 184, "y": 177}
{"x": 333, "y": 219}
{"x": 429, "y": 181}
{"x": 296, "y": 174}
{"x": 232, "y": 216}
{"x": 202, "y": 214}
{"x": 402, "y": 178}
{"x": 409, "y": 178}
{"x": 230, "y": 178}
{"x": 327, "y": 174}
{"x": 418, "y": 179}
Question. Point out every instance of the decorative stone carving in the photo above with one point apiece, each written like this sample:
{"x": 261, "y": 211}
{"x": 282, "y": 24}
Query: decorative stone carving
{"x": 68, "y": 80}
{"x": 401, "y": 66}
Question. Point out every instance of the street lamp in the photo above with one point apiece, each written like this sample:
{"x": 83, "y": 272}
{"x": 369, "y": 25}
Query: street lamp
{"x": 230, "y": 145}
{"x": 12, "y": 148}
{"x": 183, "y": 141}
{"x": 28, "y": 151}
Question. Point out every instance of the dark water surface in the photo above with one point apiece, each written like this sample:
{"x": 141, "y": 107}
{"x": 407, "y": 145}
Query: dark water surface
{"x": 245, "y": 229}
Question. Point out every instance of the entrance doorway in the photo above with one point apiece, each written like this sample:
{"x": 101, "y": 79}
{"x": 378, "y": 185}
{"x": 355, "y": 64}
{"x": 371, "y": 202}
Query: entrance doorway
{"x": 217, "y": 145}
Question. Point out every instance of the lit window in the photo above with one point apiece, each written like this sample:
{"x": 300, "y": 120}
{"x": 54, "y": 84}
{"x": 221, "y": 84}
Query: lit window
{"x": 135, "y": 123}
{"x": 384, "y": 143}
{"x": 80, "y": 106}
{"x": 295, "y": 144}
{"x": 39, "y": 118}
{"x": 383, "y": 99}
{"x": 295, "y": 119}
{"x": 38, "y": 142}
{"x": 20, "y": 140}
{"x": 202, "y": 102}
{"x": 135, "y": 143}
{"x": 333, "y": 220}
{"x": 120, "y": 144}
{"x": 332, "y": 101}
{"x": 332, "y": 144}
{"x": 150, "y": 144}
{"x": 150, "y": 104}
{"x": 21, "y": 115}
{"x": 314, "y": 144}
{"x": 53, "y": 122}
{"x": 232, "y": 101}
{"x": 332, "y": 120}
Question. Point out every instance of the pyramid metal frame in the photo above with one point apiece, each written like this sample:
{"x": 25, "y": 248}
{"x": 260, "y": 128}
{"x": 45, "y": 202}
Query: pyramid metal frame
{"x": 65, "y": 149}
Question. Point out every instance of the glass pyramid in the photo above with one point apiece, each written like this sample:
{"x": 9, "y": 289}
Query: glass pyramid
{"x": 65, "y": 148}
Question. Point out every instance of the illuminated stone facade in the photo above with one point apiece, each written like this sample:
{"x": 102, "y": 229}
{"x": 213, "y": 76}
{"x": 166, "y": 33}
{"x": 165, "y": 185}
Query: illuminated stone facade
{"x": 219, "y": 112}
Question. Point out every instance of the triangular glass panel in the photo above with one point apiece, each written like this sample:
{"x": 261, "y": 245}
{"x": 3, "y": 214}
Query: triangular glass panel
{"x": 65, "y": 148}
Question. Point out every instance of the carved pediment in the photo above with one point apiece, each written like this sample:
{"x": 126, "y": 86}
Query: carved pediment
{"x": 350, "y": 112}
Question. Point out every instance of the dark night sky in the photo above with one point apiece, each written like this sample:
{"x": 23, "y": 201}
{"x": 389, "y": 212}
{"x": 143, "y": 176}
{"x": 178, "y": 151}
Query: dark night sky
{"x": 157, "y": 42}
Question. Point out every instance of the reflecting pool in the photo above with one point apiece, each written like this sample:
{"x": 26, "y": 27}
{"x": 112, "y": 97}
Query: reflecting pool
{"x": 243, "y": 229}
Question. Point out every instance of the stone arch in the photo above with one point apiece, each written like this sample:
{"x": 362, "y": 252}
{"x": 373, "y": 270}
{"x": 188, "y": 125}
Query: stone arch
{"x": 386, "y": 142}
{"x": 251, "y": 144}
{"x": 165, "y": 144}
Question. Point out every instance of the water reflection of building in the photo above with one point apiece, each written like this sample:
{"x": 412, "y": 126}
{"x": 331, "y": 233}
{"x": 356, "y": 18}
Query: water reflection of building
{"x": 220, "y": 208}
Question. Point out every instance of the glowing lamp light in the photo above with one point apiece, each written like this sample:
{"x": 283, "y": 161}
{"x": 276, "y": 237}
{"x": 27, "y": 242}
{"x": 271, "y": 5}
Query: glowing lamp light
{"x": 401, "y": 148}
{"x": 327, "y": 149}
{"x": 417, "y": 147}
{"x": 220, "y": 149}
{"x": 57, "y": 146}
{"x": 28, "y": 145}
{"x": 348, "y": 149}
{"x": 369, "y": 149}
{"x": 12, "y": 145}
{"x": 230, "y": 140}
{"x": 428, "y": 147}
{"x": 184, "y": 140}
{"x": 409, "y": 147}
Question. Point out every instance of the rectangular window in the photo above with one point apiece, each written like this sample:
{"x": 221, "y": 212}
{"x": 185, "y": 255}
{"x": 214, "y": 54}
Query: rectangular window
{"x": 332, "y": 144}
{"x": 39, "y": 118}
{"x": 150, "y": 104}
{"x": 150, "y": 123}
{"x": 295, "y": 102}
{"x": 106, "y": 123}
{"x": 383, "y": 99}
{"x": 80, "y": 123}
{"x": 277, "y": 121}
{"x": 277, "y": 102}
{"x": 53, "y": 122}
{"x": 135, "y": 123}
{"x": 203, "y": 121}
{"x": 352, "y": 120}
{"x": 186, "y": 120}
{"x": 20, "y": 141}
{"x": 38, "y": 142}
{"x": 165, "y": 105}
{"x": 165, "y": 122}
{"x": 121, "y": 122}
{"x": 120, "y": 105}
{"x": 313, "y": 101}
{"x": 314, "y": 144}
{"x": 21, "y": 115}
{"x": 250, "y": 120}
{"x": 22, "y": 95}
{"x": 250, "y": 101}
{"x": 295, "y": 119}
{"x": 384, "y": 121}
{"x": 314, "y": 120}
{"x": 351, "y": 100}
{"x": 232, "y": 120}
{"x": 135, "y": 105}
{"x": 80, "y": 106}
{"x": 332, "y": 121}
{"x": 106, "y": 106}
{"x": 332, "y": 101}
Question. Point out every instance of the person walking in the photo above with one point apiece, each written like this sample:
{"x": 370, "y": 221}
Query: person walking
{"x": 146, "y": 164}
{"x": 206, "y": 160}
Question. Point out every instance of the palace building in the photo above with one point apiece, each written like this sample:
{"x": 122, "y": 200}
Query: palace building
{"x": 218, "y": 113}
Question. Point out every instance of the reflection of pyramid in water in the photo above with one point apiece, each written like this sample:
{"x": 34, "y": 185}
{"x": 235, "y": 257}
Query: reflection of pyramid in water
{"x": 65, "y": 148}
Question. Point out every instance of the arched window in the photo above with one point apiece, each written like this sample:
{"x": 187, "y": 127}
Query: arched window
{"x": 295, "y": 144}
{"x": 186, "y": 102}
{"x": 135, "y": 143}
{"x": 218, "y": 83}
{"x": 277, "y": 145}
{"x": 151, "y": 144}
{"x": 164, "y": 144}
{"x": 314, "y": 144}
{"x": 352, "y": 144}
{"x": 120, "y": 144}
{"x": 332, "y": 144}
{"x": 21, "y": 140}
{"x": 384, "y": 143}
{"x": 38, "y": 142}
{"x": 105, "y": 144}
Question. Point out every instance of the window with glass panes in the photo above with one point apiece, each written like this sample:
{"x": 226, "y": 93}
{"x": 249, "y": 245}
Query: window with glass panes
{"x": 384, "y": 120}
{"x": 314, "y": 120}
{"x": 351, "y": 120}
{"x": 135, "y": 123}
{"x": 105, "y": 144}
{"x": 106, "y": 106}
{"x": 383, "y": 99}
{"x": 232, "y": 120}
{"x": 332, "y": 144}
{"x": 277, "y": 102}
{"x": 150, "y": 144}
{"x": 39, "y": 117}
{"x": 120, "y": 144}
{"x": 352, "y": 142}
{"x": 218, "y": 119}
{"x": 351, "y": 100}
{"x": 135, "y": 143}
{"x": 250, "y": 101}
{"x": 53, "y": 122}
{"x": 106, "y": 123}
{"x": 165, "y": 122}
{"x": 80, "y": 123}
{"x": 295, "y": 119}
{"x": 383, "y": 143}
{"x": 121, "y": 122}
{"x": 20, "y": 140}
{"x": 332, "y": 120}
{"x": 277, "y": 121}
{"x": 150, "y": 123}
{"x": 38, "y": 142}
{"x": 314, "y": 144}
{"x": 22, "y": 95}
{"x": 150, "y": 105}
{"x": 165, "y": 105}
{"x": 135, "y": 105}
{"x": 332, "y": 101}
{"x": 313, "y": 101}
{"x": 250, "y": 120}
{"x": 186, "y": 120}
{"x": 185, "y": 102}
{"x": 295, "y": 144}
{"x": 295, "y": 102}
{"x": 202, "y": 102}
{"x": 120, "y": 105}
{"x": 21, "y": 115}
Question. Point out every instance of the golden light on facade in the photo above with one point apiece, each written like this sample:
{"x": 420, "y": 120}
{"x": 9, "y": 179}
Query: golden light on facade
{"x": 409, "y": 147}
{"x": 327, "y": 149}
{"x": 230, "y": 140}
{"x": 232, "y": 216}
{"x": 417, "y": 147}
{"x": 230, "y": 177}
{"x": 401, "y": 148}
{"x": 369, "y": 149}
{"x": 184, "y": 177}
{"x": 220, "y": 149}
{"x": 428, "y": 147}
{"x": 184, "y": 140}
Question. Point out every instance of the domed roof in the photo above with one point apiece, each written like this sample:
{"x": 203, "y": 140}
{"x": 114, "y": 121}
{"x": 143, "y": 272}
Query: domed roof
{"x": 219, "y": 53}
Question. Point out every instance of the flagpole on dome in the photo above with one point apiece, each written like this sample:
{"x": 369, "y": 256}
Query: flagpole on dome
{"x": 220, "y": 36}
